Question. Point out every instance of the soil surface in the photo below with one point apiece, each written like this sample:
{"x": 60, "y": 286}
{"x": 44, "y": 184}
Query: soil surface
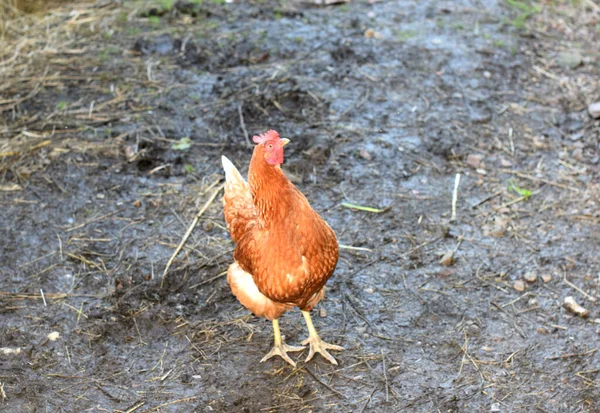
{"x": 115, "y": 116}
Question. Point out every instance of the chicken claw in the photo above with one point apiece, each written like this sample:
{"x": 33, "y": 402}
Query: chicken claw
{"x": 316, "y": 344}
{"x": 280, "y": 348}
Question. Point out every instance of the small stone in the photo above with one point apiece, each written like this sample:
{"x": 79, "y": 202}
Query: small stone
{"x": 372, "y": 34}
{"x": 497, "y": 228}
{"x": 100, "y": 196}
{"x": 137, "y": 203}
{"x": 131, "y": 152}
{"x": 473, "y": 330}
{"x": 519, "y": 285}
{"x": 207, "y": 226}
{"x": 495, "y": 408}
{"x": 474, "y": 160}
{"x": 505, "y": 163}
{"x": 594, "y": 110}
{"x": 322, "y": 312}
{"x": 369, "y": 290}
{"x": 530, "y": 277}
{"x": 570, "y": 60}
{"x": 53, "y": 336}
{"x": 7, "y": 351}
{"x": 542, "y": 330}
{"x": 447, "y": 259}
{"x": 487, "y": 74}
{"x": 365, "y": 154}
{"x": 546, "y": 278}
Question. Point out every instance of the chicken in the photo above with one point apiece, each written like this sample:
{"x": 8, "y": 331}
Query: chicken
{"x": 285, "y": 251}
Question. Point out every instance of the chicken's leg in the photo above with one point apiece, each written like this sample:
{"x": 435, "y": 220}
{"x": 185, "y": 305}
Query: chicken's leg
{"x": 316, "y": 344}
{"x": 280, "y": 348}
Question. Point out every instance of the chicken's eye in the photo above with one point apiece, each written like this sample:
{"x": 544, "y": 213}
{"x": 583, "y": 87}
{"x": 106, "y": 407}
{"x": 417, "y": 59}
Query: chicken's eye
{"x": 270, "y": 146}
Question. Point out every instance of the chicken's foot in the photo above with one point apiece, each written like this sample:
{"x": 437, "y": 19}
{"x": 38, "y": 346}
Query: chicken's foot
{"x": 280, "y": 348}
{"x": 316, "y": 344}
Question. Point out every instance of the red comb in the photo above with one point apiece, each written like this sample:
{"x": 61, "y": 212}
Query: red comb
{"x": 265, "y": 137}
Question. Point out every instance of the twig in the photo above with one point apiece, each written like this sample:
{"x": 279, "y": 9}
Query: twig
{"x": 566, "y": 356}
{"x": 368, "y": 400}
{"x": 387, "y": 384}
{"x": 546, "y": 181}
{"x": 455, "y": 197}
{"x": 486, "y": 199}
{"x": 334, "y": 391}
{"x": 350, "y": 247}
{"x": 243, "y": 125}
{"x": 43, "y": 298}
{"x": 189, "y": 231}
{"x": 570, "y": 284}
{"x": 593, "y": 5}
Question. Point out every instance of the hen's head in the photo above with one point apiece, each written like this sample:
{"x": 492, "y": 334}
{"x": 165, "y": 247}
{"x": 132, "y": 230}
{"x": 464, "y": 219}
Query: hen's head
{"x": 271, "y": 146}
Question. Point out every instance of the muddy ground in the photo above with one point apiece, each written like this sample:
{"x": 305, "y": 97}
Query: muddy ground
{"x": 114, "y": 118}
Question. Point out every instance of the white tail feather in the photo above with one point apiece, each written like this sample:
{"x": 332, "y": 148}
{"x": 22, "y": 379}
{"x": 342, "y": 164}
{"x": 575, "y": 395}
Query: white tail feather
{"x": 232, "y": 175}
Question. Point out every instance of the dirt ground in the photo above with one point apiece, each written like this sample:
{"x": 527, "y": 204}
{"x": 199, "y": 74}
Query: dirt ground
{"x": 114, "y": 116}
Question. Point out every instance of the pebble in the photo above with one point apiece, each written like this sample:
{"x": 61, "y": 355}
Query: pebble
{"x": 322, "y": 313}
{"x": 369, "y": 290}
{"x": 7, "y": 351}
{"x": 530, "y": 277}
{"x": 207, "y": 226}
{"x": 447, "y": 259}
{"x": 365, "y": 154}
{"x": 519, "y": 285}
{"x": 570, "y": 59}
{"x": 546, "y": 278}
{"x": 473, "y": 330}
{"x": 372, "y": 34}
{"x": 474, "y": 160}
{"x": 53, "y": 336}
{"x": 594, "y": 110}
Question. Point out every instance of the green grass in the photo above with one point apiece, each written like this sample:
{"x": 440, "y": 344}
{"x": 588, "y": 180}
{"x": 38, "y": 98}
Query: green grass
{"x": 525, "y": 9}
{"x": 132, "y": 31}
{"x": 166, "y": 4}
{"x": 182, "y": 144}
{"x": 62, "y": 105}
{"x": 521, "y": 191}
{"x": 405, "y": 35}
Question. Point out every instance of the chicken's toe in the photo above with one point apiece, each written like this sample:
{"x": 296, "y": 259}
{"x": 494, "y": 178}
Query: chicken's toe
{"x": 281, "y": 350}
{"x": 319, "y": 346}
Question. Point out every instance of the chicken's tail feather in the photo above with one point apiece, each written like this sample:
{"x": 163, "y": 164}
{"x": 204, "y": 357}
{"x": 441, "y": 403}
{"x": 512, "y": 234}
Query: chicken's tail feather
{"x": 239, "y": 209}
{"x": 232, "y": 175}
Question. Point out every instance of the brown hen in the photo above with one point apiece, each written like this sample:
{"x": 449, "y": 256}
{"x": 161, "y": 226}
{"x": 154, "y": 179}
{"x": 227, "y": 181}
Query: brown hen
{"x": 285, "y": 251}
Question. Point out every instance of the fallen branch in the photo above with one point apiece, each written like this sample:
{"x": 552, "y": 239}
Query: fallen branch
{"x": 189, "y": 231}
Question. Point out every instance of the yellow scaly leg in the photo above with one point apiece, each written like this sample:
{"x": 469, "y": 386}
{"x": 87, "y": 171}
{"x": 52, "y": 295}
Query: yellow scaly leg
{"x": 280, "y": 348}
{"x": 316, "y": 344}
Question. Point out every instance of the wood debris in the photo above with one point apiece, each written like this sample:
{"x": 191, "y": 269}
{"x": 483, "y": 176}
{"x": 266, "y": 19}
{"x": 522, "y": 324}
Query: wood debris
{"x": 571, "y": 305}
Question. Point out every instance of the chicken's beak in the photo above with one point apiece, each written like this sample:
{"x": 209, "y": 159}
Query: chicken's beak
{"x": 284, "y": 141}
